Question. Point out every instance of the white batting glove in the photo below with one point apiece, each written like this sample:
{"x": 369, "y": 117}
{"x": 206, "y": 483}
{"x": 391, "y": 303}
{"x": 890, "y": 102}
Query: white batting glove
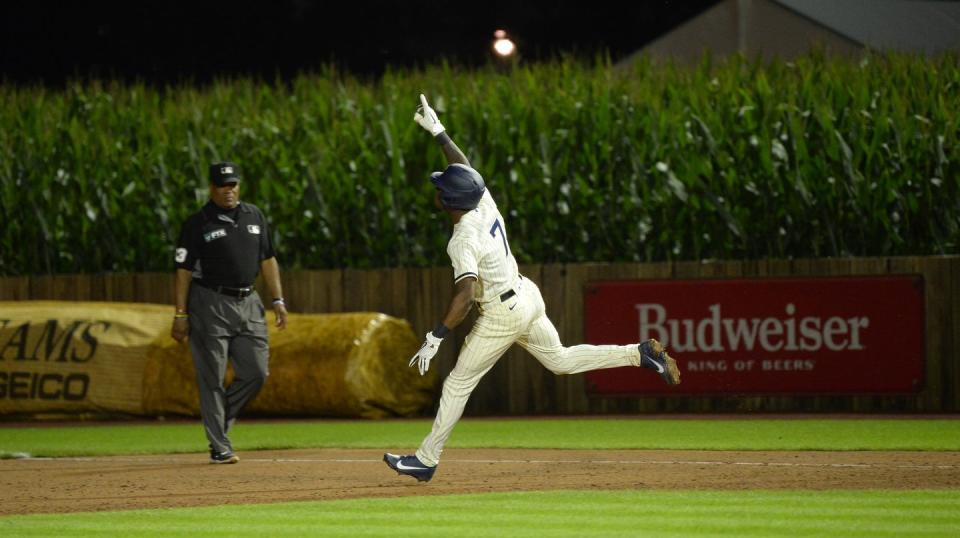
{"x": 427, "y": 351}
{"x": 427, "y": 118}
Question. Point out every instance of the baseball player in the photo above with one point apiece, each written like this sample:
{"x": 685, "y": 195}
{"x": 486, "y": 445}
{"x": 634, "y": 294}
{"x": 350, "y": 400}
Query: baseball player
{"x": 510, "y": 306}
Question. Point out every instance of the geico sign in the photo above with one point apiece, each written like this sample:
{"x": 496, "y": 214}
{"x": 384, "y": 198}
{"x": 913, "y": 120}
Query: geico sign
{"x": 49, "y": 386}
{"x": 717, "y": 333}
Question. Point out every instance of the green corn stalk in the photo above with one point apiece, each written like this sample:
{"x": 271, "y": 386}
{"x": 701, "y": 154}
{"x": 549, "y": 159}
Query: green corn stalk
{"x": 730, "y": 159}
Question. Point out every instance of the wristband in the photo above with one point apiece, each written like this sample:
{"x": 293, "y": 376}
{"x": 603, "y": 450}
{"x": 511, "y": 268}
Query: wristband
{"x": 441, "y": 331}
{"x": 178, "y": 315}
{"x": 443, "y": 138}
{"x": 279, "y": 300}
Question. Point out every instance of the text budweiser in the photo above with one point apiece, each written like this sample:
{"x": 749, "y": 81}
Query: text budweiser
{"x": 715, "y": 333}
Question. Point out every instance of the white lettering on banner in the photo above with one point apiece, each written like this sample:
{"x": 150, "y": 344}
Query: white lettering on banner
{"x": 705, "y": 366}
{"x": 714, "y": 333}
{"x": 215, "y": 234}
{"x": 784, "y": 365}
{"x": 766, "y": 365}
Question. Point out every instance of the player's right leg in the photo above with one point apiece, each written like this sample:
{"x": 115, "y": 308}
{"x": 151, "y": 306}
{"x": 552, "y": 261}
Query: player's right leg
{"x": 543, "y": 342}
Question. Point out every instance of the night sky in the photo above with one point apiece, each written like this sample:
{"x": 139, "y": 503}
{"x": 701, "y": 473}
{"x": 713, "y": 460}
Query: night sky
{"x": 45, "y": 41}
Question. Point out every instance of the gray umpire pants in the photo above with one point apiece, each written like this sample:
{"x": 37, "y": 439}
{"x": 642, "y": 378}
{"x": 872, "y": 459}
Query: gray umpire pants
{"x": 223, "y": 327}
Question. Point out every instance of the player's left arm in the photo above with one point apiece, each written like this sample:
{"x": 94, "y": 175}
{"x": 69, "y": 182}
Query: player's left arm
{"x": 451, "y": 151}
{"x": 427, "y": 118}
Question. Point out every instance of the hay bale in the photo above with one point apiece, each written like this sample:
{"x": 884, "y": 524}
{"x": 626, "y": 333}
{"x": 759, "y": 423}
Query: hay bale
{"x": 335, "y": 365}
{"x": 103, "y": 358}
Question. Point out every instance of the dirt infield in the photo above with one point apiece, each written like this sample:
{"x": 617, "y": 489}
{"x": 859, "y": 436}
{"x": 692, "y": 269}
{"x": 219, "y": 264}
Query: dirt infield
{"x": 130, "y": 482}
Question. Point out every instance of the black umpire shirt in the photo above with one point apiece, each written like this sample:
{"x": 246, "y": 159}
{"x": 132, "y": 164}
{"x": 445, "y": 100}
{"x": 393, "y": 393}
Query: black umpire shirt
{"x": 224, "y": 247}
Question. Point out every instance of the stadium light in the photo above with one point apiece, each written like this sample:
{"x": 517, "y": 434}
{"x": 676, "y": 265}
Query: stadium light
{"x": 502, "y": 45}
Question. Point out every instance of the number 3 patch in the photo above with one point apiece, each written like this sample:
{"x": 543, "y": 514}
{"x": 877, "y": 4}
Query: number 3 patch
{"x": 181, "y": 255}
{"x": 253, "y": 228}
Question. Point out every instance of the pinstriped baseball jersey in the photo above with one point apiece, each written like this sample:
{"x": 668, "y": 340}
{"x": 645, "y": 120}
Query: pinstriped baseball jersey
{"x": 479, "y": 248}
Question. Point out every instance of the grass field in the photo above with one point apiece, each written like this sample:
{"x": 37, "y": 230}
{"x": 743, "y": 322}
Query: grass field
{"x": 753, "y": 434}
{"x": 552, "y": 513}
{"x": 585, "y": 512}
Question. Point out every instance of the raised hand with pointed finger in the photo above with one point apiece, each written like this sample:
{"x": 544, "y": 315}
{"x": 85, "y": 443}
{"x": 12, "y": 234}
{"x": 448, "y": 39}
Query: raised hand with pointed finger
{"x": 427, "y": 118}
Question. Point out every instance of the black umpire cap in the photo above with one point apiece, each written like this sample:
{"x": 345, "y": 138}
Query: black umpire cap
{"x": 223, "y": 173}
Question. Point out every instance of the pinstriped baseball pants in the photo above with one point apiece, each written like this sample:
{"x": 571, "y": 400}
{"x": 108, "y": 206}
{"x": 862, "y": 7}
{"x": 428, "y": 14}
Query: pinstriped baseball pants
{"x": 522, "y": 320}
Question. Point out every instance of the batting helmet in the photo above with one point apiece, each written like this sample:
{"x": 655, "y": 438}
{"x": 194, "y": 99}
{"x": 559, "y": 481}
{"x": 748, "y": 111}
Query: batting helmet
{"x": 460, "y": 186}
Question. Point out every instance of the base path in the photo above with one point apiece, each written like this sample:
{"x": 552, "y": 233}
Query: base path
{"x": 130, "y": 482}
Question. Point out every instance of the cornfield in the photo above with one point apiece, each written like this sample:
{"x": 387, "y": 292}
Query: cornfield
{"x": 737, "y": 159}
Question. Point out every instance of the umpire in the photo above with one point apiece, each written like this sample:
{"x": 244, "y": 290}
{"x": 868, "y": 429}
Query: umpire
{"x": 221, "y": 250}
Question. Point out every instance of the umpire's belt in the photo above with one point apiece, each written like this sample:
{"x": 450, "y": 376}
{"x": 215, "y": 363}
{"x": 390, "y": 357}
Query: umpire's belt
{"x": 239, "y": 293}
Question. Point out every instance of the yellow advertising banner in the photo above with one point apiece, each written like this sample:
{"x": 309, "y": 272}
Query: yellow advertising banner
{"x": 110, "y": 358}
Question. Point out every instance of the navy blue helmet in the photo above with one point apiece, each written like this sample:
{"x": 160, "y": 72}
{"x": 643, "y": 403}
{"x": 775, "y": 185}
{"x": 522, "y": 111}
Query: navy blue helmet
{"x": 460, "y": 186}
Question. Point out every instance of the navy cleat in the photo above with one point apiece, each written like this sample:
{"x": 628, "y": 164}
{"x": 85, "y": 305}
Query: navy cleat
{"x": 223, "y": 457}
{"x": 654, "y": 357}
{"x": 410, "y": 466}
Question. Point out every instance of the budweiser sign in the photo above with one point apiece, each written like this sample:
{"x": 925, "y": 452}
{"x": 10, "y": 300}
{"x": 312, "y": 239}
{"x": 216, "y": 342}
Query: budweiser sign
{"x": 715, "y": 333}
{"x": 765, "y": 336}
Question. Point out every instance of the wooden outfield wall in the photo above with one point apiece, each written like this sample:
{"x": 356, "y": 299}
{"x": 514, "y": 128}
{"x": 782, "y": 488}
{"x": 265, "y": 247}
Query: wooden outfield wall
{"x": 518, "y": 384}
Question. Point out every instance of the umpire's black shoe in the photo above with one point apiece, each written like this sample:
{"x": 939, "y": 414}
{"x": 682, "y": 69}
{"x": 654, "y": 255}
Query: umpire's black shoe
{"x": 653, "y": 356}
{"x": 223, "y": 457}
{"x": 410, "y": 466}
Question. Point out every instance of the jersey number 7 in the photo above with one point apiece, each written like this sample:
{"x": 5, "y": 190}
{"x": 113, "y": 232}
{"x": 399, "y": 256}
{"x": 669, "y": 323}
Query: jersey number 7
{"x": 493, "y": 233}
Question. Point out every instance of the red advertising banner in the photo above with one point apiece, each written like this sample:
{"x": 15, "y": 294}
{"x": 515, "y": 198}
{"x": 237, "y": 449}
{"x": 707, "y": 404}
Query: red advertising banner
{"x": 859, "y": 335}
